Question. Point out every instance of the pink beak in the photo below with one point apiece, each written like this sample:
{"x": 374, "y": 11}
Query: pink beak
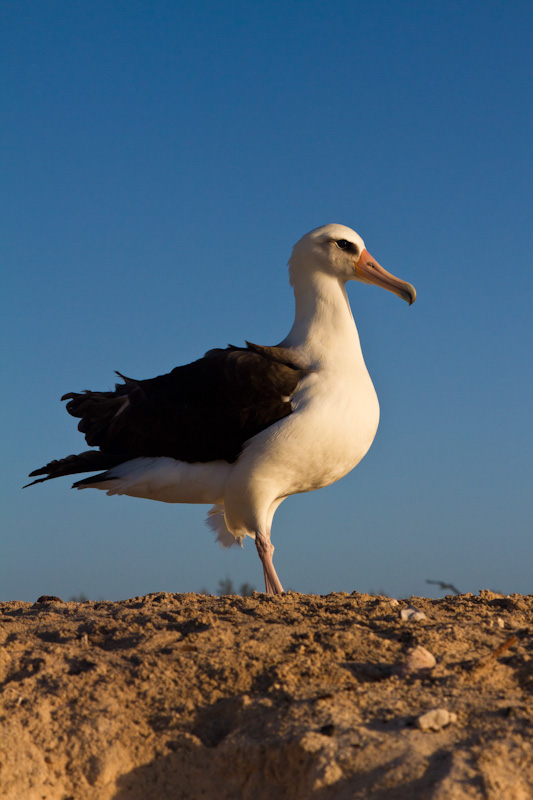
{"x": 368, "y": 270}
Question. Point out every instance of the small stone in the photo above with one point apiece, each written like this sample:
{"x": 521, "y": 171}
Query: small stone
{"x": 500, "y": 622}
{"x": 393, "y": 602}
{"x": 412, "y": 613}
{"x": 417, "y": 659}
{"x": 435, "y": 719}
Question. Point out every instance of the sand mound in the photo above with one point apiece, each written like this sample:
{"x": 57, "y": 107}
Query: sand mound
{"x": 294, "y": 697}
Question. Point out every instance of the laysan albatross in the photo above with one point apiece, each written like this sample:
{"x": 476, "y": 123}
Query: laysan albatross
{"x": 243, "y": 428}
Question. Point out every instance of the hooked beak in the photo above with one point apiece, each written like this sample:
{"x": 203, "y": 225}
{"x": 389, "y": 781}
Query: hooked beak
{"x": 367, "y": 270}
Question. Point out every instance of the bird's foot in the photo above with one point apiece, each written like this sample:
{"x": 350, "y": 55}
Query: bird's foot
{"x": 265, "y": 549}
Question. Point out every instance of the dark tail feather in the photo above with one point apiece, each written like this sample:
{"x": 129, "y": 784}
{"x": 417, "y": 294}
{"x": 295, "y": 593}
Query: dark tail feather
{"x": 90, "y": 461}
{"x": 101, "y": 413}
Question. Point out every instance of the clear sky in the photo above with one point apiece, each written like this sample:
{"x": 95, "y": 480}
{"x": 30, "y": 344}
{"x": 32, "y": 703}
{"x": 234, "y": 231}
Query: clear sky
{"x": 160, "y": 159}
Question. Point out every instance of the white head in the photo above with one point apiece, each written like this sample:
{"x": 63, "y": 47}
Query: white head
{"x": 340, "y": 252}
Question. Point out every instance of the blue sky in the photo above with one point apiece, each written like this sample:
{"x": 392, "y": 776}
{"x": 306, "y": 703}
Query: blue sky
{"x": 159, "y": 161}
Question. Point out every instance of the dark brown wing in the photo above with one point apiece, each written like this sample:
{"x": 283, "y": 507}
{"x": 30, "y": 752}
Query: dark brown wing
{"x": 202, "y": 411}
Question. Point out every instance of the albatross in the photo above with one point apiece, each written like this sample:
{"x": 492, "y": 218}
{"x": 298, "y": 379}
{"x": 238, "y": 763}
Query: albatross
{"x": 243, "y": 428}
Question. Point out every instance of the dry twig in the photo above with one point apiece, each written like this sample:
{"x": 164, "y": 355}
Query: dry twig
{"x": 486, "y": 661}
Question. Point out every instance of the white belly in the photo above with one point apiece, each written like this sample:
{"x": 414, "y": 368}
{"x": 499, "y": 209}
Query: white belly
{"x": 328, "y": 433}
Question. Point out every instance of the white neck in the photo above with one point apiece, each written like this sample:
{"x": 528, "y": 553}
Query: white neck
{"x": 324, "y": 329}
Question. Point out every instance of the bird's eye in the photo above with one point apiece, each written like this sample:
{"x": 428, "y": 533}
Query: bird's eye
{"x": 343, "y": 244}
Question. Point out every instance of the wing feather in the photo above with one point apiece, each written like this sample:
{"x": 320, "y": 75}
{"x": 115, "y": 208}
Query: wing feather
{"x": 203, "y": 411}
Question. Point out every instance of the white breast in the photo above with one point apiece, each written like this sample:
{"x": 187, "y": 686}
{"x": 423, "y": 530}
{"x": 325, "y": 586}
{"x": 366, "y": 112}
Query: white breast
{"x": 334, "y": 422}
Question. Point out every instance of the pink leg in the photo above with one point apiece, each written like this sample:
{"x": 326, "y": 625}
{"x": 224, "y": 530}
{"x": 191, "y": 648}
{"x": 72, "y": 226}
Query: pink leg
{"x": 265, "y": 549}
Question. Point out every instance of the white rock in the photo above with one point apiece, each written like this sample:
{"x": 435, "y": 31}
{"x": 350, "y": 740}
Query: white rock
{"x": 418, "y": 658}
{"x": 412, "y": 613}
{"x": 436, "y": 719}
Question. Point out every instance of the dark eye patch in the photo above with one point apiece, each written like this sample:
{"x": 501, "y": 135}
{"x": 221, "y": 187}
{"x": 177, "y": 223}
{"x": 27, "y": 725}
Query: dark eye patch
{"x": 344, "y": 244}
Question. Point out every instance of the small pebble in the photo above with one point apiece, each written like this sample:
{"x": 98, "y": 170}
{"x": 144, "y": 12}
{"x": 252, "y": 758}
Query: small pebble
{"x": 412, "y": 613}
{"x": 436, "y": 719}
{"x": 418, "y": 658}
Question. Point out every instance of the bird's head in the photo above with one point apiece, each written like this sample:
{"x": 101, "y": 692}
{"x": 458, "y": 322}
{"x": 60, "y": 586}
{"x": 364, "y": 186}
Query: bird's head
{"x": 339, "y": 251}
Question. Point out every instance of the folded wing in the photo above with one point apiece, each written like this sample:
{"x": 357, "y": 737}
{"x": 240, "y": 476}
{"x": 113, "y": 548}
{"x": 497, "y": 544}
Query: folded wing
{"x": 203, "y": 411}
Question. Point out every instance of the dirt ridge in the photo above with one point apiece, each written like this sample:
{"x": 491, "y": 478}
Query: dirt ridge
{"x": 185, "y": 696}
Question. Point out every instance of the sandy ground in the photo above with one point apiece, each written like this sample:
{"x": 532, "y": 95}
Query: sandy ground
{"x": 258, "y": 698}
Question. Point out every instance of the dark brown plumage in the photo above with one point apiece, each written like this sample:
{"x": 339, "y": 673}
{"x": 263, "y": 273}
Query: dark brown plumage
{"x": 203, "y": 411}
